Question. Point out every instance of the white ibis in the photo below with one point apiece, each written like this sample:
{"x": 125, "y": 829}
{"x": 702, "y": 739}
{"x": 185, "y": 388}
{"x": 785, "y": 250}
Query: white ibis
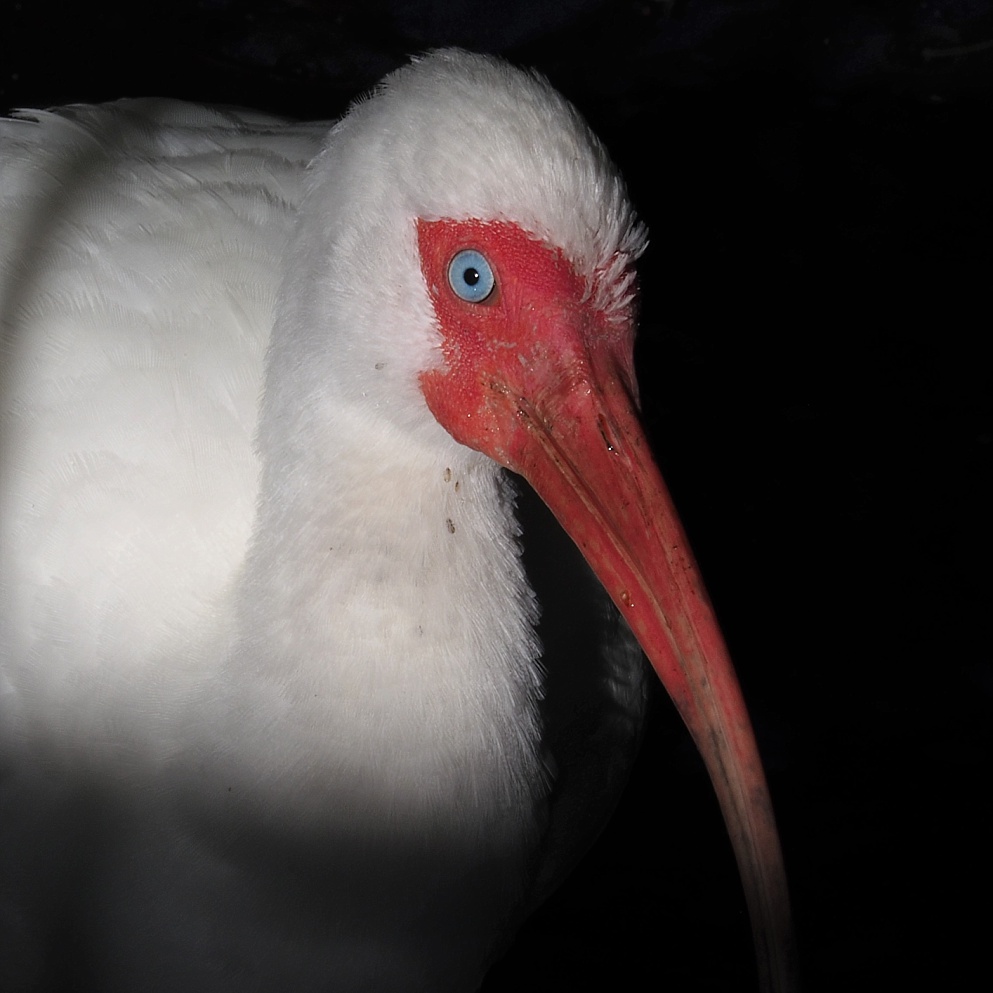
{"x": 272, "y": 690}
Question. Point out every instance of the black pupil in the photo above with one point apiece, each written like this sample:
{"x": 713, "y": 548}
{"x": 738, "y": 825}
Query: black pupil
{"x": 471, "y": 276}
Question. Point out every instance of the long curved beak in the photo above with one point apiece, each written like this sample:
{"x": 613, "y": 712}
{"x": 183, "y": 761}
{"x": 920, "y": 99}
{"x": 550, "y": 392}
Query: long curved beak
{"x": 586, "y": 455}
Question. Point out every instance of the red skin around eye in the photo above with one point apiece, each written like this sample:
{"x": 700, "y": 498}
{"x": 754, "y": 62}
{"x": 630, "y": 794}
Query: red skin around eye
{"x": 533, "y": 334}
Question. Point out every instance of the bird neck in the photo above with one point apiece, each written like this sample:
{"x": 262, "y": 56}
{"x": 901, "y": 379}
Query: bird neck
{"x": 387, "y": 629}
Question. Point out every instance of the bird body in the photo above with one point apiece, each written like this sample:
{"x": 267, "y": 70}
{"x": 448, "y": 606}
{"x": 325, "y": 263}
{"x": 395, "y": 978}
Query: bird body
{"x": 276, "y": 710}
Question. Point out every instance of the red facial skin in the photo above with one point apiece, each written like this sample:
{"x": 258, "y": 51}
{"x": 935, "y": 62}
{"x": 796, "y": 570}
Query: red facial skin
{"x": 538, "y": 379}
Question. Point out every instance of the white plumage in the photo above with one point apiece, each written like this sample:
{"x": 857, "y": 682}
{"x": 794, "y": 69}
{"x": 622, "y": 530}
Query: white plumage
{"x": 271, "y": 706}
{"x": 328, "y": 634}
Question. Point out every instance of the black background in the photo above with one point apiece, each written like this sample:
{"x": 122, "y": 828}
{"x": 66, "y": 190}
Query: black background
{"x": 816, "y": 316}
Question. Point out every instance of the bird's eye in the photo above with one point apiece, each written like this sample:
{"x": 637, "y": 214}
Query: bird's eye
{"x": 470, "y": 276}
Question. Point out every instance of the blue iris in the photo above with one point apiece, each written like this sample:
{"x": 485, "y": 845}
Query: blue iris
{"x": 470, "y": 276}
